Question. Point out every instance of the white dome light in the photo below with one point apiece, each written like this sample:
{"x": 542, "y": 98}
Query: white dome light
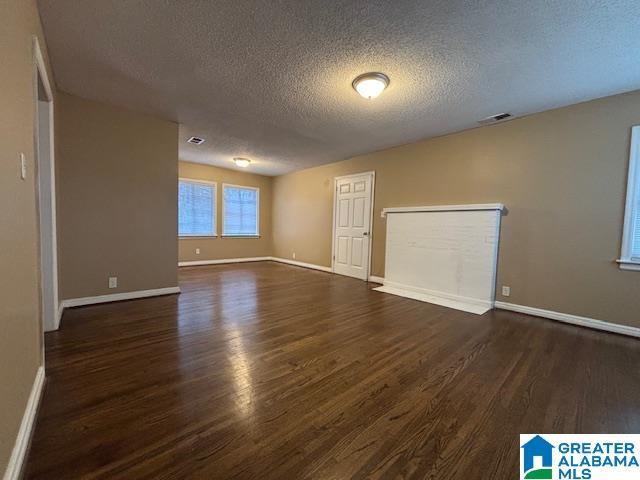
{"x": 370, "y": 85}
{"x": 242, "y": 162}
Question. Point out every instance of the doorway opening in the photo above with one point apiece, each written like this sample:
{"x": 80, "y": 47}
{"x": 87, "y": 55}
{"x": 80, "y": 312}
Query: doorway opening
{"x": 45, "y": 192}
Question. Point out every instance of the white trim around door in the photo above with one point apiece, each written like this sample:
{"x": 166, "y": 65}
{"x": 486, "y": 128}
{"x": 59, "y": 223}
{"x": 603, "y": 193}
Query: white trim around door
{"x": 44, "y": 161}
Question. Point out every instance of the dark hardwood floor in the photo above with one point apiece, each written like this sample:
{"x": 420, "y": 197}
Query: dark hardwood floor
{"x": 266, "y": 371}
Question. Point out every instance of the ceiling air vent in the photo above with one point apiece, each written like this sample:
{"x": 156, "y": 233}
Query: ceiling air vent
{"x": 495, "y": 118}
{"x": 196, "y": 140}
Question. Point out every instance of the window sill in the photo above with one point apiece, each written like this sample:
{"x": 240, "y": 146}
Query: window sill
{"x": 187, "y": 237}
{"x": 240, "y": 236}
{"x": 633, "y": 265}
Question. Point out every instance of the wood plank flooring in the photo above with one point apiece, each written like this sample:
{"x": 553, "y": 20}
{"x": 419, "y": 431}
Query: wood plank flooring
{"x": 267, "y": 371}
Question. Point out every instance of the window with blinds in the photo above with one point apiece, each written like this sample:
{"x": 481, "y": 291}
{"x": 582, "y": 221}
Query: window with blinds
{"x": 635, "y": 240}
{"x": 240, "y": 211}
{"x": 630, "y": 258}
{"x": 196, "y": 208}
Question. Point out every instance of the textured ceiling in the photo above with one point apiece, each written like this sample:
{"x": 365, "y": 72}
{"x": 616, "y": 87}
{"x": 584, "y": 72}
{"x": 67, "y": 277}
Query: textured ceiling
{"x": 271, "y": 80}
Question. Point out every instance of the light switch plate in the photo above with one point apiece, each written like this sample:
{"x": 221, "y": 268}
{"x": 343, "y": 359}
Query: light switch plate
{"x": 23, "y": 166}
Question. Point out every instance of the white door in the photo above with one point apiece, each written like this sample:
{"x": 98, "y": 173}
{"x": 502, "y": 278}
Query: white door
{"x": 352, "y": 225}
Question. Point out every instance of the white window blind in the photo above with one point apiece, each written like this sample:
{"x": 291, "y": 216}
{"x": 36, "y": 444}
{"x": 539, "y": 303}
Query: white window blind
{"x": 630, "y": 258}
{"x": 196, "y": 208}
{"x": 241, "y": 206}
{"x": 635, "y": 235}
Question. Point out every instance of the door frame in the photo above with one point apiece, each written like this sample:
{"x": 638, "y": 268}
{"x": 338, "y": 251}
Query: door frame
{"x": 40, "y": 72}
{"x": 372, "y": 174}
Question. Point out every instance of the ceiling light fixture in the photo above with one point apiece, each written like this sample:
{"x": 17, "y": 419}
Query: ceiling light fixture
{"x": 242, "y": 162}
{"x": 370, "y": 85}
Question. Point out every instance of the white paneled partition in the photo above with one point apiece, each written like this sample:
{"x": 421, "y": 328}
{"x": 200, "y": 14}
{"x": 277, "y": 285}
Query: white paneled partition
{"x": 445, "y": 254}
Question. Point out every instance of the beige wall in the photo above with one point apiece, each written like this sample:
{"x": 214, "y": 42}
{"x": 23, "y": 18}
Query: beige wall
{"x": 561, "y": 174}
{"x": 221, "y": 248}
{"x": 117, "y": 181}
{"x": 20, "y": 326}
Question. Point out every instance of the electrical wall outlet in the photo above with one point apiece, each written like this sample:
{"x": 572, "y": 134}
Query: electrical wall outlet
{"x": 506, "y": 291}
{"x": 197, "y": 251}
{"x": 113, "y": 282}
{"x": 294, "y": 255}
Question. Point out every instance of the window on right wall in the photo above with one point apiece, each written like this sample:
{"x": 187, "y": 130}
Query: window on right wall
{"x": 630, "y": 257}
{"x": 240, "y": 211}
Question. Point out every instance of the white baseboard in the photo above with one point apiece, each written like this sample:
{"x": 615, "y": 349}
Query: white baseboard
{"x": 458, "y": 302}
{"x": 57, "y": 319}
{"x": 59, "y": 315}
{"x": 116, "y": 297}
{"x": 572, "y": 319}
{"x": 14, "y": 468}
{"x": 194, "y": 263}
{"x": 560, "y": 317}
{"x": 444, "y": 295}
{"x": 255, "y": 259}
{"x": 301, "y": 264}
{"x": 374, "y": 279}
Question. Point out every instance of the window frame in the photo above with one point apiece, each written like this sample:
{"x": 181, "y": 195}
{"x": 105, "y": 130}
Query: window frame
{"x": 246, "y": 187}
{"x": 627, "y": 261}
{"x": 215, "y": 206}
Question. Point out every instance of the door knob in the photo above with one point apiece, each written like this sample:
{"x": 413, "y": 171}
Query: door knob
{"x": 366, "y": 234}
